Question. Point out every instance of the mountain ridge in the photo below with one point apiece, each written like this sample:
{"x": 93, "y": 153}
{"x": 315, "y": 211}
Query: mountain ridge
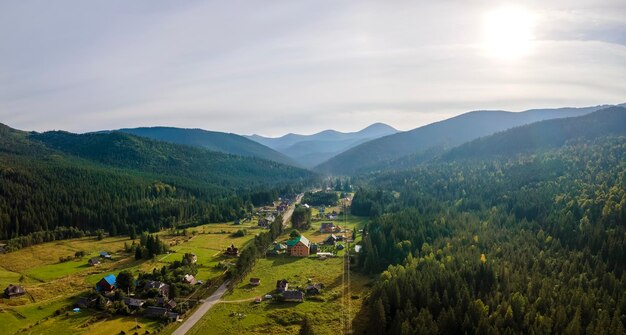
{"x": 444, "y": 134}
{"x": 310, "y": 150}
{"x": 229, "y": 143}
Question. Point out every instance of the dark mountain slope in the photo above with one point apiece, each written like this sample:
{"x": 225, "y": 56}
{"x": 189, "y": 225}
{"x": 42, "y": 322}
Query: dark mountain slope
{"x": 445, "y": 134}
{"x": 543, "y": 135}
{"x": 137, "y": 153}
{"x": 211, "y": 140}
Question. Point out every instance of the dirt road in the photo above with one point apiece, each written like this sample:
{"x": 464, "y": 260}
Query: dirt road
{"x": 199, "y": 313}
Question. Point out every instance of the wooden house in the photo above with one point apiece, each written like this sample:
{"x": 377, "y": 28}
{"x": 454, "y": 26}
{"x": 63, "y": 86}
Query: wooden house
{"x": 106, "y": 284}
{"x": 189, "y": 279}
{"x": 164, "y": 289}
{"x": 14, "y": 291}
{"x": 293, "y": 296}
{"x": 314, "y": 289}
{"x": 255, "y": 281}
{"x": 330, "y": 240}
{"x": 232, "y": 251}
{"x": 299, "y": 247}
{"x": 282, "y": 285}
{"x": 327, "y": 227}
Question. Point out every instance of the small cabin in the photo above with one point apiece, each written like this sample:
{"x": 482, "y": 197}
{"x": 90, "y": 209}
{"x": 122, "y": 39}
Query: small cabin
{"x": 282, "y": 285}
{"x": 14, "y": 291}
{"x": 232, "y": 251}
{"x": 293, "y": 296}
{"x": 94, "y": 261}
{"x": 106, "y": 284}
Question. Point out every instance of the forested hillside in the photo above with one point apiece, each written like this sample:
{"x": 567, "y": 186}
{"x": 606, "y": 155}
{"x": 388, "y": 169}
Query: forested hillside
{"x": 528, "y": 244}
{"x": 423, "y": 141}
{"x": 543, "y": 135}
{"x": 211, "y": 140}
{"x": 57, "y": 184}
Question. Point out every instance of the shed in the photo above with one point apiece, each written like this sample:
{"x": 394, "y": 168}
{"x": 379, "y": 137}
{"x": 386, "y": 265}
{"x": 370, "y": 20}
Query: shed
{"x": 94, "y": 261}
{"x": 14, "y": 291}
{"x": 294, "y": 296}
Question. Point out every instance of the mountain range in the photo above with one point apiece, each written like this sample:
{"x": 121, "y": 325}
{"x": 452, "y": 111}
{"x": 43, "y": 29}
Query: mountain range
{"x": 436, "y": 137}
{"x": 311, "y": 150}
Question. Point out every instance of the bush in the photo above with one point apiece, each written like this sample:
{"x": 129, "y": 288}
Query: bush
{"x": 239, "y": 233}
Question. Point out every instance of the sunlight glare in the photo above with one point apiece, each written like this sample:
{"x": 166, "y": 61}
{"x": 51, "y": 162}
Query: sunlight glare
{"x": 508, "y": 33}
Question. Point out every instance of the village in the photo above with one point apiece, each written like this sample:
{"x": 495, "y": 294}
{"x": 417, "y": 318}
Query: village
{"x": 168, "y": 289}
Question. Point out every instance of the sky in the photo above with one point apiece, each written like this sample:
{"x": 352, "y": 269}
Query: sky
{"x": 275, "y": 67}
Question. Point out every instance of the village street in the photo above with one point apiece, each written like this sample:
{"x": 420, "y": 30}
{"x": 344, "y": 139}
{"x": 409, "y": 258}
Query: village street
{"x": 217, "y": 295}
{"x": 203, "y": 309}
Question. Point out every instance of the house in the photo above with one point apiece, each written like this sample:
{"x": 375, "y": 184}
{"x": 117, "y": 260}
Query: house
{"x": 14, "y": 291}
{"x": 258, "y": 300}
{"x": 232, "y": 251}
{"x": 331, "y": 216}
{"x": 106, "y": 284}
{"x": 339, "y": 247}
{"x": 293, "y": 296}
{"x": 173, "y": 316}
{"x": 194, "y": 259}
{"x": 166, "y": 302}
{"x": 105, "y": 254}
{"x": 134, "y": 303}
{"x": 171, "y": 304}
{"x": 330, "y": 240}
{"x": 282, "y": 285}
{"x": 314, "y": 289}
{"x": 270, "y": 218}
{"x": 94, "y": 261}
{"x": 299, "y": 246}
{"x": 255, "y": 281}
{"x": 280, "y": 248}
{"x": 327, "y": 227}
{"x": 160, "y": 313}
{"x": 189, "y": 279}
{"x": 164, "y": 289}
{"x": 263, "y": 223}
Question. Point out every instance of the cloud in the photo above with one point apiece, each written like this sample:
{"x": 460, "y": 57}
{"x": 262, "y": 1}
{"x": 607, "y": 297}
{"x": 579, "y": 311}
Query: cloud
{"x": 284, "y": 66}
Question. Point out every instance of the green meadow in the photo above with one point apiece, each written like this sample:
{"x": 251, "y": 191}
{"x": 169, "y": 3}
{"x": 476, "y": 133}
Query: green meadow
{"x": 53, "y": 285}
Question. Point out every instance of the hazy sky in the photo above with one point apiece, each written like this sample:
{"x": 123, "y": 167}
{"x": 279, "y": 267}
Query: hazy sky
{"x": 273, "y": 67}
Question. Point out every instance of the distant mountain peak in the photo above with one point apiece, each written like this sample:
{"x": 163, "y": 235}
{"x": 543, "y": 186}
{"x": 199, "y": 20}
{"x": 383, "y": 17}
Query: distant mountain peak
{"x": 309, "y": 150}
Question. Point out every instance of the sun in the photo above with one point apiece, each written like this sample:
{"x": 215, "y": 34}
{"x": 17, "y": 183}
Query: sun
{"x": 508, "y": 33}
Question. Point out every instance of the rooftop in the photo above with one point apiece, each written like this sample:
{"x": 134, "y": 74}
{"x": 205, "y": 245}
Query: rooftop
{"x": 300, "y": 238}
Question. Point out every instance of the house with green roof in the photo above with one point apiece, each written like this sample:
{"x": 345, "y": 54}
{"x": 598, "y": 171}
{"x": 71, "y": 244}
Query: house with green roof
{"x": 299, "y": 246}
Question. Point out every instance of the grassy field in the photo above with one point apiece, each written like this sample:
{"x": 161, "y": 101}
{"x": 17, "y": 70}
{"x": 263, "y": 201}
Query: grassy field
{"x": 327, "y": 312}
{"x": 52, "y": 285}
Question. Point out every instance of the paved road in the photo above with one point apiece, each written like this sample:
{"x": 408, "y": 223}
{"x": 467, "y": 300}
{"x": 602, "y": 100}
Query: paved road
{"x": 199, "y": 313}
